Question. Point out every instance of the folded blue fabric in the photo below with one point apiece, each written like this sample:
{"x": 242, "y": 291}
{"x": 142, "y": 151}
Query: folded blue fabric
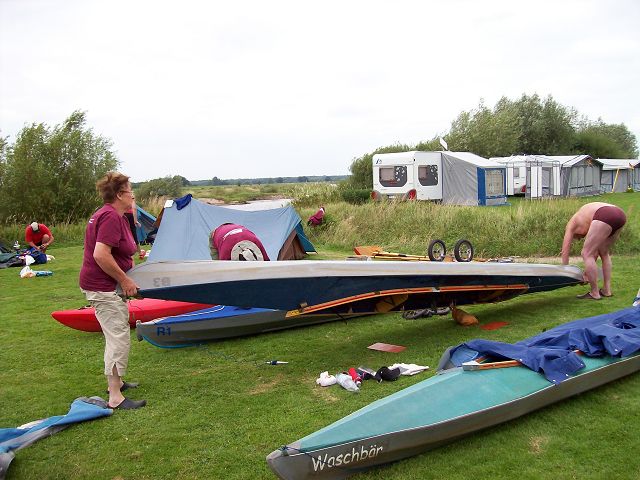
{"x": 553, "y": 352}
{"x": 12, "y": 439}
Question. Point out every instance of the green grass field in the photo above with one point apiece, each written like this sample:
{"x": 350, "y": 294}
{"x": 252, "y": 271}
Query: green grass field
{"x": 217, "y": 410}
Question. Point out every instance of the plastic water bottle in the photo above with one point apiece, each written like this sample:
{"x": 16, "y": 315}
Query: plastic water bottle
{"x": 636, "y": 301}
{"x": 355, "y": 376}
{"x": 347, "y": 382}
{"x": 16, "y": 246}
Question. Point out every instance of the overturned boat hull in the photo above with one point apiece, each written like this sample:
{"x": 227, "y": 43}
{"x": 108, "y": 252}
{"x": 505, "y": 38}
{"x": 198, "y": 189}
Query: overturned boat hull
{"x": 312, "y": 286}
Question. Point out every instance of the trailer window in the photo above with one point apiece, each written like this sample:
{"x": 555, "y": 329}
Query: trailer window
{"x": 494, "y": 182}
{"x": 393, "y": 176}
{"x": 588, "y": 181}
{"x": 428, "y": 175}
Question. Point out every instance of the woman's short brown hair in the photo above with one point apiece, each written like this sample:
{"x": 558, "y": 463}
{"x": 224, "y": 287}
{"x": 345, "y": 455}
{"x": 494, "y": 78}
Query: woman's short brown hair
{"x": 109, "y": 185}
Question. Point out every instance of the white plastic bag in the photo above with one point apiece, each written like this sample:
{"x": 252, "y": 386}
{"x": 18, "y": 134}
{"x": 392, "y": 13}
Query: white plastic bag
{"x": 26, "y": 272}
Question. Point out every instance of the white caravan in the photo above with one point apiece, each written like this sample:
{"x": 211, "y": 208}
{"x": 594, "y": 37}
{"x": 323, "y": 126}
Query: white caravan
{"x": 409, "y": 175}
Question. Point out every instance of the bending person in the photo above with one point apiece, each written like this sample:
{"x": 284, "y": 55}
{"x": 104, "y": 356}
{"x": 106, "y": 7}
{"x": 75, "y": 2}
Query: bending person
{"x": 600, "y": 225}
{"x": 108, "y": 250}
{"x": 38, "y": 235}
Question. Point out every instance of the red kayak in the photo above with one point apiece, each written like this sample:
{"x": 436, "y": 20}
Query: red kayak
{"x": 145, "y": 309}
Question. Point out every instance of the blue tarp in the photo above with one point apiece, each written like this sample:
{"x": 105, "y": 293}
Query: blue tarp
{"x": 146, "y": 224}
{"x": 184, "y": 234}
{"x": 553, "y": 352}
{"x": 12, "y": 439}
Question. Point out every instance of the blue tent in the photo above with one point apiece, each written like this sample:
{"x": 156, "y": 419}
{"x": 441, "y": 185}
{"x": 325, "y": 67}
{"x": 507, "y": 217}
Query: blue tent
{"x": 187, "y": 224}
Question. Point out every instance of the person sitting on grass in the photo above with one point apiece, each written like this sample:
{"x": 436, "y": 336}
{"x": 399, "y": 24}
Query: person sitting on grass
{"x": 38, "y": 236}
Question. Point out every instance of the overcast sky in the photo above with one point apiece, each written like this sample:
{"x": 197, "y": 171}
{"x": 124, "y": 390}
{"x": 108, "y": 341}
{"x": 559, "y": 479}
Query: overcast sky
{"x": 286, "y": 88}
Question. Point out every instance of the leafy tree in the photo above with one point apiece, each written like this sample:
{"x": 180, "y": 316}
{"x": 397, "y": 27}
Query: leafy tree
{"x": 432, "y": 145}
{"x": 184, "y": 181}
{"x": 527, "y": 125}
{"x": 601, "y": 140}
{"x": 4, "y": 150}
{"x": 50, "y": 174}
{"x": 362, "y": 168}
{"x": 160, "y": 187}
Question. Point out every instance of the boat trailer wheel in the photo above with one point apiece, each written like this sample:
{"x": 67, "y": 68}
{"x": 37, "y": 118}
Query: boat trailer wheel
{"x": 437, "y": 250}
{"x": 463, "y": 251}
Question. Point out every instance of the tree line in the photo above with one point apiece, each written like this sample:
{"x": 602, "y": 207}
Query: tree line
{"x": 49, "y": 173}
{"x": 528, "y": 125}
{"x": 215, "y": 181}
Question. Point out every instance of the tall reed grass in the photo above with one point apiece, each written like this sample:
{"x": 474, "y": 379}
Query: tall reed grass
{"x": 526, "y": 228}
{"x": 523, "y": 228}
{"x": 65, "y": 234}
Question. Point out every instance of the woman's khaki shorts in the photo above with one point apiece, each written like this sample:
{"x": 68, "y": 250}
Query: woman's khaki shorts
{"x": 112, "y": 313}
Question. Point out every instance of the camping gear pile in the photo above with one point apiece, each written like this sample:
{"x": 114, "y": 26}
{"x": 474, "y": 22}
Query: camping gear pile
{"x": 352, "y": 379}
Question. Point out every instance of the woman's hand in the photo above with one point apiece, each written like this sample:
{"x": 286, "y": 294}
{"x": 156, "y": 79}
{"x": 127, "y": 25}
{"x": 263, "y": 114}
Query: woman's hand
{"x": 129, "y": 287}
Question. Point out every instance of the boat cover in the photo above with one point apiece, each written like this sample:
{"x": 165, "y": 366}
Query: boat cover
{"x": 553, "y": 352}
{"x": 12, "y": 439}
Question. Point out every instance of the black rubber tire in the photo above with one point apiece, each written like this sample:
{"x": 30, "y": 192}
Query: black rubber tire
{"x": 463, "y": 251}
{"x": 432, "y": 251}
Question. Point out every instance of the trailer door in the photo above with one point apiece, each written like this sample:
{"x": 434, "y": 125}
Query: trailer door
{"x": 429, "y": 177}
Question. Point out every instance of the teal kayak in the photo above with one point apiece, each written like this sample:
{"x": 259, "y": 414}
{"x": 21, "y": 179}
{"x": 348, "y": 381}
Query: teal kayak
{"x": 447, "y": 406}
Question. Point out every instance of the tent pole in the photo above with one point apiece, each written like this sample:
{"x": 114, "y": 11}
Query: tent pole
{"x": 613, "y": 189}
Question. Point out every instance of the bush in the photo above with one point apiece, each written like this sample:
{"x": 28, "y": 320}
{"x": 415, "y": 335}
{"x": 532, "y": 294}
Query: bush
{"x": 356, "y": 196}
{"x": 49, "y": 174}
{"x": 170, "y": 187}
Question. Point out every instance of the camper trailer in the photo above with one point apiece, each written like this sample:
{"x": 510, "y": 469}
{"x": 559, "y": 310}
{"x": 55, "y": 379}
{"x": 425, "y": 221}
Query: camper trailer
{"x": 516, "y": 173}
{"x": 408, "y": 175}
{"x": 534, "y": 176}
{"x": 454, "y": 178}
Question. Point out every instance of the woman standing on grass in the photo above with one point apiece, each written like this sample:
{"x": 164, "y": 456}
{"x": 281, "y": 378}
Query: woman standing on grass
{"x": 108, "y": 250}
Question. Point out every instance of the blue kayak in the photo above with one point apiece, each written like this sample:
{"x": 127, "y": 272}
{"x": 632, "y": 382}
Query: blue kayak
{"x": 222, "y": 321}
